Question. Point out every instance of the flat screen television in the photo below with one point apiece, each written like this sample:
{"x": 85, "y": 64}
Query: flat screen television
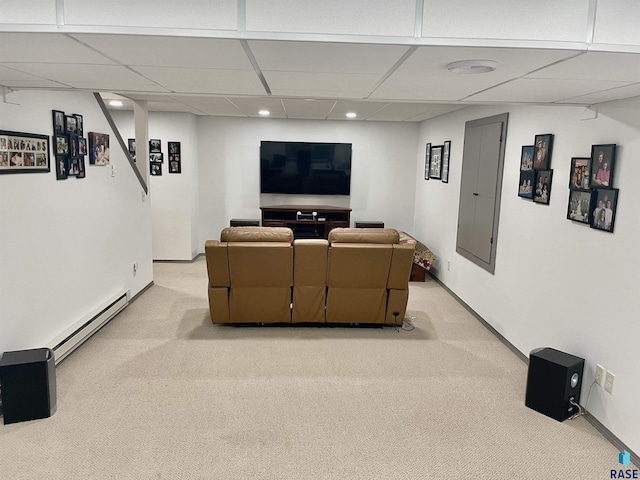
{"x": 305, "y": 168}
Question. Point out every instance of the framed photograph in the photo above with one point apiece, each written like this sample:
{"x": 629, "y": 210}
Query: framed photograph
{"x": 603, "y": 159}
{"x": 604, "y": 202}
{"x": 526, "y": 158}
{"x": 82, "y": 146}
{"x": 175, "y": 165}
{"x": 81, "y": 169}
{"x": 23, "y": 152}
{"x": 579, "y": 206}
{"x": 445, "y": 161}
{"x": 427, "y": 160}
{"x": 59, "y": 126}
{"x": 580, "y": 173}
{"x": 62, "y": 169}
{"x": 154, "y": 146}
{"x": 543, "y": 146}
{"x": 132, "y": 146}
{"x": 542, "y": 192}
{"x": 435, "y": 164}
{"x": 174, "y": 148}
{"x": 79, "y": 124}
{"x": 62, "y": 144}
{"x": 527, "y": 181}
{"x": 72, "y": 124}
{"x": 74, "y": 167}
{"x": 74, "y": 145}
{"x": 156, "y": 169}
{"x": 98, "y": 148}
{"x": 156, "y": 158}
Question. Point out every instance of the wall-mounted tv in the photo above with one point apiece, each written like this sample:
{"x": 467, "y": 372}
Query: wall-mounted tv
{"x": 305, "y": 168}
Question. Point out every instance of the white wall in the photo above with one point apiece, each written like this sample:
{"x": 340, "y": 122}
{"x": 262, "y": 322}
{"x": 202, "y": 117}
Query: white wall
{"x": 66, "y": 246}
{"x": 174, "y": 197}
{"x": 557, "y": 283}
{"x": 382, "y": 170}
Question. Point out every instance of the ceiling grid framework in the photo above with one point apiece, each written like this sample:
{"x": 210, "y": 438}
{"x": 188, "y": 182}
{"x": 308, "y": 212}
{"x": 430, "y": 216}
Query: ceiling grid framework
{"x": 385, "y": 65}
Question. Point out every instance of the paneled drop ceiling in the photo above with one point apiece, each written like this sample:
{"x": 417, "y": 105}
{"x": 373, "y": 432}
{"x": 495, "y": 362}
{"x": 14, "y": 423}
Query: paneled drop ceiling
{"x": 308, "y": 79}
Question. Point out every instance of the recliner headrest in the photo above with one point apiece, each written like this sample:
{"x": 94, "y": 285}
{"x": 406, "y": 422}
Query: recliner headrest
{"x": 256, "y": 234}
{"x": 364, "y": 235}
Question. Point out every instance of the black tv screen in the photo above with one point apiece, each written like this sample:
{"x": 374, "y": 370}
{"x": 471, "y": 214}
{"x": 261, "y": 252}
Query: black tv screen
{"x": 305, "y": 168}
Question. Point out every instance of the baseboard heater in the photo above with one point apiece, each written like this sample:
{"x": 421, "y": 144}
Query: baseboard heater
{"x": 74, "y": 336}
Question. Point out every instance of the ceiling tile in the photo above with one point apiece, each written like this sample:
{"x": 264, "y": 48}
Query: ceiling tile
{"x": 327, "y": 85}
{"x": 308, "y": 108}
{"x": 363, "y": 109}
{"x": 170, "y": 51}
{"x": 203, "y": 80}
{"x": 252, "y": 105}
{"x": 606, "y": 95}
{"x": 424, "y": 75}
{"x": 47, "y": 48}
{"x": 325, "y": 57}
{"x": 414, "y": 112}
{"x": 219, "y": 106}
{"x": 542, "y": 90}
{"x": 595, "y": 66}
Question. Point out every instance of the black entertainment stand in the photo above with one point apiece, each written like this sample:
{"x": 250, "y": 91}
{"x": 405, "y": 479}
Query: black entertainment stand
{"x": 303, "y": 222}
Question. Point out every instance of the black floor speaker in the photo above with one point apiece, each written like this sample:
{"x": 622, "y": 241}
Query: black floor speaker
{"x": 28, "y": 383}
{"x": 553, "y": 382}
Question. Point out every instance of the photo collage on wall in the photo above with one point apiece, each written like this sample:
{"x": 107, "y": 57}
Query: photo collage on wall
{"x": 436, "y": 162}
{"x": 24, "y": 152}
{"x": 156, "y": 158}
{"x": 592, "y": 198}
{"x": 69, "y": 144}
{"x": 535, "y": 170}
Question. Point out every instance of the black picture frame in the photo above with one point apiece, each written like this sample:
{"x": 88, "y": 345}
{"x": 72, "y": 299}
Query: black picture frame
{"x": 604, "y": 203}
{"x": 543, "y": 147}
{"x": 61, "y": 144}
{"x": 580, "y": 173}
{"x": 131, "y": 143}
{"x": 542, "y": 189}
{"x": 71, "y": 123}
{"x": 62, "y": 167}
{"x": 175, "y": 164}
{"x": 526, "y": 184}
{"x": 526, "y": 158}
{"x": 155, "y": 169}
{"x": 79, "y": 124}
{"x": 446, "y": 152}
{"x": 74, "y": 146}
{"x": 156, "y": 158}
{"x": 22, "y": 152}
{"x": 155, "y": 146}
{"x": 74, "y": 167}
{"x": 579, "y": 205}
{"x": 435, "y": 162}
{"x": 81, "y": 168}
{"x": 82, "y": 146}
{"x": 174, "y": 148}
{"x": 99, "y": 149}
{"x": 59, "y": 125}
{"x": 427, "y": 161}
{"x": 601, "y": 155}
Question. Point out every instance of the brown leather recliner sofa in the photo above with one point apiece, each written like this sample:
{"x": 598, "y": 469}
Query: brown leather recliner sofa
{"x": 261, "y": 275}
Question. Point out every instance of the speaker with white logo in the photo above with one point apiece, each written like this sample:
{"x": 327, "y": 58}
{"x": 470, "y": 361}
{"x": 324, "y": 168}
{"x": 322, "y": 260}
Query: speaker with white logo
{"x": 553, "y": 383}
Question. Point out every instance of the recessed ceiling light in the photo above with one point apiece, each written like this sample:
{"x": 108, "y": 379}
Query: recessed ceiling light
{"x": 351, "y": 115}
{"x": 264, "y": 113}
{"x": 115, "y": 103}
{"x": 472, "y": 66}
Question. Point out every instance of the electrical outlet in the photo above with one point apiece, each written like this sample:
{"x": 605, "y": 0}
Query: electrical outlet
{"x": 600, "y": 375}
{"x": 608, "y": 382}
{"x": 448, "y": 266}
{"x": 135, "y": 268}
{"x": 144, "y": 197}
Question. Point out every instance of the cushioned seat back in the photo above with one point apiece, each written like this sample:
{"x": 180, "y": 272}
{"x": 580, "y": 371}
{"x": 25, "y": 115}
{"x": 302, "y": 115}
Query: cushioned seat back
{"x": 357, "y": 275}
{"x": 309, "y": 280}
{"x": 260, "y": 273}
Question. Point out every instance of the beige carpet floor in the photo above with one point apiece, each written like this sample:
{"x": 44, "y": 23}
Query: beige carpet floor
{"x": 161, "y": 393}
